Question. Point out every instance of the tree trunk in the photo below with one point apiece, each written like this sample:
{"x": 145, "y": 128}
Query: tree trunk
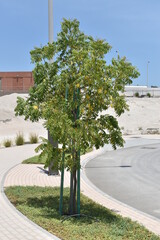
{"x": 71, "y": 195}
{"x": 51, "y": 169}
{"x": 73, "y": 191}
{"x": 73, "y": 183}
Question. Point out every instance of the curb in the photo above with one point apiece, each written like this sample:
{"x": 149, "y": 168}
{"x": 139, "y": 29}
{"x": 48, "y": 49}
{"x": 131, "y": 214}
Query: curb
{"x": 18, "y": 212}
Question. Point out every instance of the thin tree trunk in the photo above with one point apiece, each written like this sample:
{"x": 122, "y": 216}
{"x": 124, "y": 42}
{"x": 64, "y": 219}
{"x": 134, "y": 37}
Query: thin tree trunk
{"x": 71, "y": 195}
{"x": 73, "y": 185}
{"x": 73, "y": 182}
{"x": 52, "y": 170}
{"x": 73, "y": 191}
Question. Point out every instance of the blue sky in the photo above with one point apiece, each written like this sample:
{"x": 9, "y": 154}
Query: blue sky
{"x": 131, "y": 27}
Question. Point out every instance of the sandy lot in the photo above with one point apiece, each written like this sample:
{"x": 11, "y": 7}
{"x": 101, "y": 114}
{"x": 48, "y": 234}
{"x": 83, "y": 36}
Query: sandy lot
{"x": 10, "y": 125}
{"x": 143, "y": 118}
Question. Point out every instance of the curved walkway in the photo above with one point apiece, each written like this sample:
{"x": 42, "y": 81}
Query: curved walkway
{"x": 15, "y": 226}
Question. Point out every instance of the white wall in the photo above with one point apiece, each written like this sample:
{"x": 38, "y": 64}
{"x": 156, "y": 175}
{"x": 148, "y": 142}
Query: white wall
{"x": 142, "y": 90}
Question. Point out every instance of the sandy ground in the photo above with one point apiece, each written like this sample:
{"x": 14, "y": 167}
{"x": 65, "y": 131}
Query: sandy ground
{"x": 143, "y": 118}
{"x": 10, "y": 125}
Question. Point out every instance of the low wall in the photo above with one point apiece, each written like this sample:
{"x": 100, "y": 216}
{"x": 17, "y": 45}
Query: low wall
{"x": 131, "y": 91}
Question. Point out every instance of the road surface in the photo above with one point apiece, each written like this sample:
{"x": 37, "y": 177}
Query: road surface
{"x": 130, "y": 175}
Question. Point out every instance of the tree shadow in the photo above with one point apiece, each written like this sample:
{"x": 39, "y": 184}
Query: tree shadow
{"x": 49, "y": 208}
{"x": 121, "y": 166}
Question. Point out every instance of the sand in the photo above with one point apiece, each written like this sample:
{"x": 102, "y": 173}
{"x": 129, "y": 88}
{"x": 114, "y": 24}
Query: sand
{"x": 143, "y": 118}
{"x": 10, "y": 125}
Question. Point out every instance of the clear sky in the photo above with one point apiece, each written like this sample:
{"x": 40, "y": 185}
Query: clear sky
{"x": 131, "y": 27}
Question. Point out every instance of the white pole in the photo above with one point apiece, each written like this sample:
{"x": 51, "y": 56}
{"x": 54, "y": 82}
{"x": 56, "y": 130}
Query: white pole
{"x": 147, "y": 72}
{"x": 50, "y": 20}
{"x": 50, "y": 38}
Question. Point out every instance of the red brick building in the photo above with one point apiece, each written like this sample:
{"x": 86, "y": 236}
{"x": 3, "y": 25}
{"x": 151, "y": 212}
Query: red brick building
{"x": 15, "y": 82}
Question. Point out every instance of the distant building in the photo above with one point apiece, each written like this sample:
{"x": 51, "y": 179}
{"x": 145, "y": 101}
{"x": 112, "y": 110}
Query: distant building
{"x": 15, "y": 82}
{"x": 142, "y": 91}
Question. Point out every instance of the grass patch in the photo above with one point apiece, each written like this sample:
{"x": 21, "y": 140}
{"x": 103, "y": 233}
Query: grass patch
{"x": 41, "y": 205}
{"x": 137, "y": 94}
{"x": 19, "y": 139}
{"x": 148, "y": 95}
{"x": 36, "y": 160}
{"x": 33, "y": 138}
{"x": 7, "y": 143}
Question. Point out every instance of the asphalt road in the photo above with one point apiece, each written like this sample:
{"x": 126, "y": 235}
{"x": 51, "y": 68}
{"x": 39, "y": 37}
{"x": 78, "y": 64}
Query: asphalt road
{"x": 130, "y": 175}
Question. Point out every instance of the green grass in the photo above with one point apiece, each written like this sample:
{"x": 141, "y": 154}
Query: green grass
{"x": 35, "y": 160}
{"x": 7, "y": 143}
{"x": 33, "y": 138}
{"x": 41, "y": 205}
{"x": 19, "y": 139}
{"x": 136, "y": 94}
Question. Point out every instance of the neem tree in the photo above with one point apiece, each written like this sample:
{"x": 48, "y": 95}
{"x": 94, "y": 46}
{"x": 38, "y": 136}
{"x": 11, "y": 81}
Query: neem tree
{"x": 70, "y": 94}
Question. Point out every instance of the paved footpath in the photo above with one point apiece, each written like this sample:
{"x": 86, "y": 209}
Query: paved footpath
{"x": 15, "y": 226}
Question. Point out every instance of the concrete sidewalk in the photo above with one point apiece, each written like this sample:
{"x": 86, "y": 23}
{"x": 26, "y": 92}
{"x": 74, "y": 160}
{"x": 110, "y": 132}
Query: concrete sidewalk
{"x": 34, "y": 175}
{"x": 13, "y": 225}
